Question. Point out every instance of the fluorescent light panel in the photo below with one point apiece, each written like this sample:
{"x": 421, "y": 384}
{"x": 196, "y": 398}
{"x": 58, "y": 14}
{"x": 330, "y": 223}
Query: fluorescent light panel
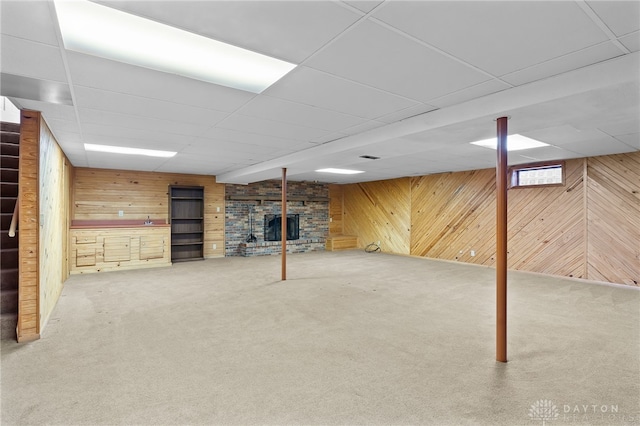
{"x": 340, "y": 171}
{"x": 101, "y": 31}
{"x": 514, "y": 143}
{"x": 130, "y": 151}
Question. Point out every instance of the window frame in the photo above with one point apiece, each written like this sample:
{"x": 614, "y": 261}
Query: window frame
{"x": 513, "y": 174}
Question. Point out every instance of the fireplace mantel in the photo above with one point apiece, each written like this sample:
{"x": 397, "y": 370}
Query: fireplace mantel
{"x": 262, "y": 198}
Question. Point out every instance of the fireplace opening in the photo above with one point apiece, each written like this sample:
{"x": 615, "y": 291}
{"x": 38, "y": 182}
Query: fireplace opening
{"x": 273, "y": 225}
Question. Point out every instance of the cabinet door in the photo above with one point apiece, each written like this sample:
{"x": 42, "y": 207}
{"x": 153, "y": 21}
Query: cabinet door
{"x": 117, "y": 249}
{"x": 151, "y": 247}
{"x": 85, "y": 256}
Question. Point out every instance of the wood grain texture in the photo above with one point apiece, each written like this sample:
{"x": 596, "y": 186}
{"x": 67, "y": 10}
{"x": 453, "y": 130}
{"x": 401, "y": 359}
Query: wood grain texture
{"x": 28, "y": 281}
{"x": 613, "y": 212}
{"x": 336, "y": 210}
{"x": 454, "y": 214}
{"x": 99, "y": 194}
{"x": 379, "y": 211}
{"x": 341, "y": 242}
{"x": 54, "y": 185}
{"x": 113, "y": 249}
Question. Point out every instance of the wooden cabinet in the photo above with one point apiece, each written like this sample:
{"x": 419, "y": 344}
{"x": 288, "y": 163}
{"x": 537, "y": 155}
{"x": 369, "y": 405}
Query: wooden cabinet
{"x": 113, "y": 248}
{"x": 187, "y": 222}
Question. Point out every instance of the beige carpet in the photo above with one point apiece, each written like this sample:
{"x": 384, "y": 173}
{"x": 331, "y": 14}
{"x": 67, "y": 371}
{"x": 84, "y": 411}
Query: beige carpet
{"x": 350, "y": 338}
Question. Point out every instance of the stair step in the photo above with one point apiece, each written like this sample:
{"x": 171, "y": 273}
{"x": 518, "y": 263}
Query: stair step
{"x": 10, "y": 138}
{"x": 7, "y": 204}
{"x": 5, "y": 220}
{"x": 8, "y": 189}
{"x": 7, "y": 241}
{"x": 9, "y": 302}
{"x": 10, "y": 162}
{"x": 9, "y": 258}
{"x": 7, "y": 148}
{"x": 8, "y": 175}
{"x": 8, "y": 324}
{"x": 10, "y": 127}
{"x": 9, "y": 279}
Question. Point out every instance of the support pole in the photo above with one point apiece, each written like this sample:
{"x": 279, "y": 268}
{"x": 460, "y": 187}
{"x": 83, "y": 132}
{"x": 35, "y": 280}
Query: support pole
{"x": 283, "y": 224}
{"x": 501, "y": 242}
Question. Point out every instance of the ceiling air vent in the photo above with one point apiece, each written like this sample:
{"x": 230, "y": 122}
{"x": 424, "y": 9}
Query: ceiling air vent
{"x": 370, "y": 157}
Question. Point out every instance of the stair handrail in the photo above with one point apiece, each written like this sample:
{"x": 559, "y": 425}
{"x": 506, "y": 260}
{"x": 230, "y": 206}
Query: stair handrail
{"x": 14, "y": 219}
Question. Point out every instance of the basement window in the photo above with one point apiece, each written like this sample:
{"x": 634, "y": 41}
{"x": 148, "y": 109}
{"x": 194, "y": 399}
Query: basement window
{"x": 536, "y": 175}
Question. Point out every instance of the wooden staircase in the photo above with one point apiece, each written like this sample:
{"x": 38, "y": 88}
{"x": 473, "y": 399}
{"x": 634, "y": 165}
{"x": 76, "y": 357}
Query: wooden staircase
{"x": 9, "y": 151}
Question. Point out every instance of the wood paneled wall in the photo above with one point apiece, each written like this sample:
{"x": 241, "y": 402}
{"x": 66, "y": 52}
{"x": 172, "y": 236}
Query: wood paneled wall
{"x": 54, "y": 216}
{"x": 99, "y": 194}
{"x": 613, "y": 218}
{"x": 451, "y": 214}
{"x": 379, "y": 211}
{"x": 336, "y": 210}
{"x": 589, "y": 228}
{"x": 28, "y": 192}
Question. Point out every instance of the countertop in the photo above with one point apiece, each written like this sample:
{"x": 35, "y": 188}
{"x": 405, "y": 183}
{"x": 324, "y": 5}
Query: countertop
{"x": 129, "y": 223}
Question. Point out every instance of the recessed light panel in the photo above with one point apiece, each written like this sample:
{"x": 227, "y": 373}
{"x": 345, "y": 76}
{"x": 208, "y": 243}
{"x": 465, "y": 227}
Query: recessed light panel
{"x": 129, "y": 151}
{"x": 340, "y": 171}
{"x": 514, "y": 143}
{"x": 112, "y": 34}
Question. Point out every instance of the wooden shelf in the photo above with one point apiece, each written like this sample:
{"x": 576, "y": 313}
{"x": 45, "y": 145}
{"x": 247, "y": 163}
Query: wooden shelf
{"x": 186, "y": 213}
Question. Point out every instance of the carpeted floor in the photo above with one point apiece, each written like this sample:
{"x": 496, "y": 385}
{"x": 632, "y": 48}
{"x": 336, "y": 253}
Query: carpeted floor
{"x": 349, "y": 338}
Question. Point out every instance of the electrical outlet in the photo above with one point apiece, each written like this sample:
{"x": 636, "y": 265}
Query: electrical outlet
{"x": 120, "y": 213}
{"x": 472, "y": 253}
{"x": 218, "y": 209}
{"x": 215, "y": 246}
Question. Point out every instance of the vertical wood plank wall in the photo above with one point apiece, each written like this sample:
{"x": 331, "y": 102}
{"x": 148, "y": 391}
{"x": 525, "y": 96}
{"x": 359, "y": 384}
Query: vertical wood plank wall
{"x": 98, "y": 194}
{"x": 379, "y": 211}
{"x": 28, "y": 190}
{"x": 451, "y": 214}
{"x": 336, "y": 210}
{"x": 54, "y": 176}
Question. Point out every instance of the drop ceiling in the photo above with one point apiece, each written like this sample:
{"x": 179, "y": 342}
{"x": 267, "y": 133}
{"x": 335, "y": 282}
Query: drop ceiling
{"x": 411, "y": 82}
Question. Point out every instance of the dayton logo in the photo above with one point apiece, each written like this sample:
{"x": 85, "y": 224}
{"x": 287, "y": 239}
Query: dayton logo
{"x": 544, "y": 410}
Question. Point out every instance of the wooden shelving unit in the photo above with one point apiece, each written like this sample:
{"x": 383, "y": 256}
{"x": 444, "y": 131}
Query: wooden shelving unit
{"x": 186, "y": 213}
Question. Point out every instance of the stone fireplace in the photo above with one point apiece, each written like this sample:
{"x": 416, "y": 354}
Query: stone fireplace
{"x": 255, "y": 210}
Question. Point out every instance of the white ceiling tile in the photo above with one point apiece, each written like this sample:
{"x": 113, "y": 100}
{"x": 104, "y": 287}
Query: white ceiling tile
{"x": 407, "y": 112}
{"x": 315, "y": 88}
{"x": 105, "y": 118}
{"x": 624, "y": 127}
{"x": 289, "y": 30}
{"x": 469, "y": 93}
{"x": 381, "y": 58}
{"x": 63, "y": 125}
{"x": 499, "y": 37}
{"x": 622, "y": 17}
{"x": 631, "y": 41}
{"x": 270, "y": 128}
{"x": 363, "y": 5}
{"x": 631, "y": 139}
{"x": 26, "y": 58}
{"x": 29, "y": 20}
{"x": 601, "y": 146}
{"x": 139, "y": 138}
{"x": 296, "y": 113}
{"x": 571, "y": 61}
{"x": 114, "y": 76}
{"x": 145, "y": 107}
{"x": 246, "y": 137}
{"x": 103, "y": 160}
